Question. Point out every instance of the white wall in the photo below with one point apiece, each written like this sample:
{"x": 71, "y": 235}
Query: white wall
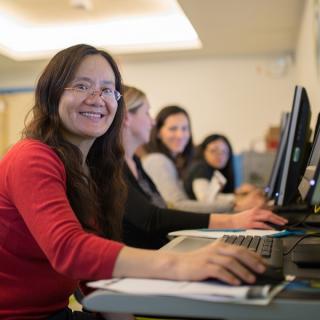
{"x": 18, "y": 106}
{"x": 308, "y": 73}
{"x": 240, "y": 97}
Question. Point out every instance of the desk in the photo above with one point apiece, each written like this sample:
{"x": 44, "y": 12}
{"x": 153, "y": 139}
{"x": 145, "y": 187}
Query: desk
{"x": 280, "y": 308}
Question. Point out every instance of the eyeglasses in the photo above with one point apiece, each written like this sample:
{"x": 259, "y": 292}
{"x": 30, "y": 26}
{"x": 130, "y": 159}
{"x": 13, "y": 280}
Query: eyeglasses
{"x": 105, "y": 93}
{"x": 219, "y": 151}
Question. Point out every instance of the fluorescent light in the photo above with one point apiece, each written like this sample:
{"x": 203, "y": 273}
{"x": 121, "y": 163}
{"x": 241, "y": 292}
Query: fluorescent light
{"x": 171, "y": 31}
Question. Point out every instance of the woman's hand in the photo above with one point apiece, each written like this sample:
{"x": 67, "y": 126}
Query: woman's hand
{"x": 245, "y": 188}
{"x": 253, "y": 199}
{"x": 228, "y": 263}
{"x": 218, "y": 260}
{"x": 256, "y": 218}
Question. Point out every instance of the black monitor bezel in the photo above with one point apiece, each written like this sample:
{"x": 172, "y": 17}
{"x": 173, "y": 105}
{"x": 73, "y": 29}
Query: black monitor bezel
{"x": 300, "y": 100}
{"x": 308, "y": 195}
{"x": 278, "y": 161}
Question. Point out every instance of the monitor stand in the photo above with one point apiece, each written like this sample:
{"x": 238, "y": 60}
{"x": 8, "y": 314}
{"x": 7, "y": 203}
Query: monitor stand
{"x": 297, "y": 213}
{"x": 306, "y": 255}
{"x": 313, "y": 220}
{"x": 298, "y": 208}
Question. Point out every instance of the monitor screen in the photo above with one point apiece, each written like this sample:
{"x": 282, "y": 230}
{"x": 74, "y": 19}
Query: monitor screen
{"x": 316, "y": 129}
{"x": 315, "y": 191}
{"x": 310, "y": 177}
{"x": 279, "y": 158}
{"x": 297, "y": 149}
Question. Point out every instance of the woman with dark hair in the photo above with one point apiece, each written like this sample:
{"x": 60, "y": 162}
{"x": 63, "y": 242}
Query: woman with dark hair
{"x": 61, "y": 198}
{"x": 172, "y": 147}
{"x": 147, "y": 220}
{"x": 217, "y": 151}
{"x": 211, "y": 177}
{"x": 169, "y": 154}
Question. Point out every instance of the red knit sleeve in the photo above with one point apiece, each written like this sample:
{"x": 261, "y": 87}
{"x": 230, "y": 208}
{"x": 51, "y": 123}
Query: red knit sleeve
{"x": 36, "y": 182}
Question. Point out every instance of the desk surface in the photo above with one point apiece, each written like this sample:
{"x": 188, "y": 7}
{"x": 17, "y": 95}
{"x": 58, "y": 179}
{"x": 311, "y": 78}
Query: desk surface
{"x": 280, "y": 308}
{"x": 183, "y": 308}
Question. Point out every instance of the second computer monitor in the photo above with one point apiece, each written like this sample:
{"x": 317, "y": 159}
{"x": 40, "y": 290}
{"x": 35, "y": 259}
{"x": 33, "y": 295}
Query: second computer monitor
{"x": 297, "y": 149}
{"x": 310, "y": 182}
{"x": 274, "y": 180}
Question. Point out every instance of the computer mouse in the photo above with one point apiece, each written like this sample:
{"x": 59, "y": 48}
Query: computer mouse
{"x": 270, "y": 276}
{"x": 277, "y": 227}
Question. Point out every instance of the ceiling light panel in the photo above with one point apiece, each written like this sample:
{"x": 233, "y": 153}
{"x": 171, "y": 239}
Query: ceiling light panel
{"x": 159, "y": 30}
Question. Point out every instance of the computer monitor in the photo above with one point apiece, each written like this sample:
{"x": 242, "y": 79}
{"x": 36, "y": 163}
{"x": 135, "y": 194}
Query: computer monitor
{"x": 315, "y": 195}
{"x": 271, "y": 188}
{"x": 310, "y": 181}
{"x": 297, "y": 149}
{"x": 316, "y": 129}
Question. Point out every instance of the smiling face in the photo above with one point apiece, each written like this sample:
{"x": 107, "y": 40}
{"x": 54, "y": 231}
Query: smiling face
{"x": 141, "y": 123}
{"x": 88, "y": 116}
{"x": 175, "y": 133}
{"x": 217, "y": 154}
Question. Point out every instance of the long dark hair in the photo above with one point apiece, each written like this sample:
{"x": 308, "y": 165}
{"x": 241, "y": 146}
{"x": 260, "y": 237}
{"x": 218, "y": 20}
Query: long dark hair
{"x": 228, "y": 170}
{"x": 96, "y": 200}
{"x": 156, "y": 145}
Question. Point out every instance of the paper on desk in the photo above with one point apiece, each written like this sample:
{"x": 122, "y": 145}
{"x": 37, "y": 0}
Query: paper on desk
{"x": 209, "y": 290}
{"x": 214, "y": 234}
{"x": 253, "y": 301}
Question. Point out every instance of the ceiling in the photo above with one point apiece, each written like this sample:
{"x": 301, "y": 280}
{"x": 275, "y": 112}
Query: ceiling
{"x": 232, "y": 27}
{"x": 225, "y": 27}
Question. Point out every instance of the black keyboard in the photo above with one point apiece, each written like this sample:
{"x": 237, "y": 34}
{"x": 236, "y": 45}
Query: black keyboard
{"x": 271, "y": 249}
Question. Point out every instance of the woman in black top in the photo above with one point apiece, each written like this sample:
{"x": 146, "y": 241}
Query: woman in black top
{"x": 213, "y": 153}
{"x": 147, "y": 220}
{"x": 210, "y": 178}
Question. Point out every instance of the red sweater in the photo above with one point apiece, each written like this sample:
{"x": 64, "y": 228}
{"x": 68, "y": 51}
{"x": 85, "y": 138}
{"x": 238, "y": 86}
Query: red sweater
{"x": 44, "y": 251}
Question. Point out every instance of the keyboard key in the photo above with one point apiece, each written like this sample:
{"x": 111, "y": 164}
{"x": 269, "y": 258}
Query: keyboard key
{"x": 254, "y": 243}
{"x": 246, "y": 242}
{"x": 231, "y": 239}
{"x": 270, "y": 249}
{"x": 239, "y": 240}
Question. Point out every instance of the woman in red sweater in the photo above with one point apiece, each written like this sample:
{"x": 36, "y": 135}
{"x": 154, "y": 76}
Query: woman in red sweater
{"x": 61, "y": 189}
